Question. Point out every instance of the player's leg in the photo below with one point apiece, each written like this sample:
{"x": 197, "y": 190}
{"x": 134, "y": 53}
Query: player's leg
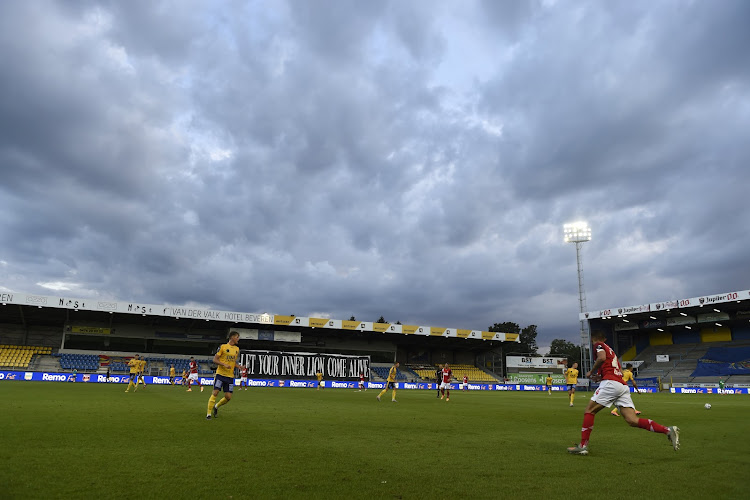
{"x": 605, "y": 395}
{"x": 385, "y": 389}
{"x": 393, "y": 396}
{"x": 447, "y": 393}
{"x": 130, "y": 384}
{"x": 212, "y": 401}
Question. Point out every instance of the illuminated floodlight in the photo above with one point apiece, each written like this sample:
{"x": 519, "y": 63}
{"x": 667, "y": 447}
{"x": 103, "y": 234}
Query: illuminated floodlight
{"x": 577, "y": 232}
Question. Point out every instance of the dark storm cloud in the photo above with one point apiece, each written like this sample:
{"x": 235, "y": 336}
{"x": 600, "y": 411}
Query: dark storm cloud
{"x": 414, "y": 160}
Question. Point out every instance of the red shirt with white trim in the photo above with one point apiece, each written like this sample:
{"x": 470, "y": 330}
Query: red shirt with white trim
{"x": 193, "y": 367}
{"x": 447, "y": 375}
{"x": 610, "y": 369}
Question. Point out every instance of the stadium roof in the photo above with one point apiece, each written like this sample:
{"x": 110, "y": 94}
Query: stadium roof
{"x": 198, "y": 313}
{"x": 730, "y": 306}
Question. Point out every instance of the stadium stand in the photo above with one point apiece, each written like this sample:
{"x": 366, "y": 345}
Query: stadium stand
{"x": 88, "y": 362}
{"x": 382, "y": 372}
{"x": 683, "y": 361}
{"x": 474, "y": 374}
{"x": 17, "y": 356}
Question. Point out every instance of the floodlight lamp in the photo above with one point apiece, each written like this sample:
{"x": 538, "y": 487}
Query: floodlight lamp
{"x": 577, "y": 232}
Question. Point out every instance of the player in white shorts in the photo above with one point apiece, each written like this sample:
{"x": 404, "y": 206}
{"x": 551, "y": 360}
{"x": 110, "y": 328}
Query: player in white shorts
{"x": 614, "y": 390}
{"x": 445, "y": 382}
{"x": 611, "y": 392}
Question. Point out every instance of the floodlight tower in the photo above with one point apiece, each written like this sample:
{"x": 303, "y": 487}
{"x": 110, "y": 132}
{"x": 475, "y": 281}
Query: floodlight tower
{"x": 579, "y": 233}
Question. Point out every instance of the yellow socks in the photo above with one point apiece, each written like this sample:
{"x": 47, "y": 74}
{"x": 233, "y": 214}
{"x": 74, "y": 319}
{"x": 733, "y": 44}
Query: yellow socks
{"x": 211, "y": 402}
{"x": 382, "y": 392}
{"x": 393, "y": 398}
{"x": 222, "y": 402}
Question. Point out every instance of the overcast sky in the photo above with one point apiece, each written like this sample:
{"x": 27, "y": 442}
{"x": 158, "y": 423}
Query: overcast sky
{"x": 411, "y": 159}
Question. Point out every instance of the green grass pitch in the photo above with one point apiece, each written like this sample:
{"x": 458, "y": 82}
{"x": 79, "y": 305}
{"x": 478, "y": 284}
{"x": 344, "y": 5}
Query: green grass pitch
{"x": 64, "y": 440}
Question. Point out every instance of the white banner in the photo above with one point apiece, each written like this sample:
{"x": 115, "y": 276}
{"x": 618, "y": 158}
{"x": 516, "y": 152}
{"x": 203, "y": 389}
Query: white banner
{"x": 535, "y": 362}
{"x": 662, "y": 358}
{"x": 665, "y": 306}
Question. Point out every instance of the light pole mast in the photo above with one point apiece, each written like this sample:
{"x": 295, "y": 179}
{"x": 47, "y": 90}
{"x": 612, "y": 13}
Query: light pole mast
{"x": 579, "y": 233}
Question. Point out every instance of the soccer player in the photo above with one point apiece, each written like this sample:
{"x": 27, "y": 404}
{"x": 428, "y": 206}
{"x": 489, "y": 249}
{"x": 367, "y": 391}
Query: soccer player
{"x": 141, "y": 371}
{"x": 134, "y": 364}
{"x": 391, "y": 383}
{"x": 445, "y": 384}
{"x": 548, "y": 382}
{"x": 466, "y": 383}
{"x": 571, "y": 378}
{"x": 614, "y": 390}
{"x": 243, "y": 377}
{"x": 171, "y": 374}
{"x": 438, "y": 380}
{"x": 627, "y": 374}
{"x": 362, "y": 382}
{"x": 226, "y": 361}
{"x": 184, "y": 378}
{"x": 320, "y": 380}
{"x": 194, "y": 374}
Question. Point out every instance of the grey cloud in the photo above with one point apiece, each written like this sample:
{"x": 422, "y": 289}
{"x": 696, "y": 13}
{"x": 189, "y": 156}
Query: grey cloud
{"x": 272, "y": 160}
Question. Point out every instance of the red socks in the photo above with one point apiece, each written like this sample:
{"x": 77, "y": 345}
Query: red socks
{"x": 588, "y": 426}
{"x": 652, "y": 426}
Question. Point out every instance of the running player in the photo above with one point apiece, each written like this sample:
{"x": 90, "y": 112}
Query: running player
{"x": 571, "y": 378}
{"x": 171, "y": 374}
{"x": 548, "y": 383}
{"x": 614, "y": 390}
{"x": 193, "y": 378}
{"x": 627, "y": 374}
{"x": 466, "y": 383}
{"x": 320, "y": 380}
{"x": 391, "y": 382}
{"x": 243, "y": 377}
{"x": 134, "y": 364}
{"x": 445, "y": 383}
{"x": 184, "y": 378}
{"x": 226, "y": 361}
{"x": 362, "y": 382}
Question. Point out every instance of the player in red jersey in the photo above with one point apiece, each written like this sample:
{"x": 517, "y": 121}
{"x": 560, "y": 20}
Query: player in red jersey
{"x": 362, "y": 382}
{"x": 466, "y": 383}
{"x": 243, "y": 377}
{"x": 614, "y": 390}
{"x": 193, "y": 377}
{"x": 445, "y": 384}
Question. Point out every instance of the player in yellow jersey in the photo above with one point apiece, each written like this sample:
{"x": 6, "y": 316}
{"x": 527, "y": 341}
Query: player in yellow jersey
{"x": 571, "y": 378}
{"x": 171, "y": 374}
{"x": 226, "y": 361}
{"x": 627, "y": 374}
{"x": 184, "y": 377}
{"x": 141, "y": 371}
{"x": 135, "y": 365}
{"x": 320, "y": 380}
{"x": 391, "y": 383}
{"x": 548, "y": 382}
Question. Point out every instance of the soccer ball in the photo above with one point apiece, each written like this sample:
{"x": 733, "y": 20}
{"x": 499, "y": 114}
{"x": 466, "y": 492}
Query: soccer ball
{"x": 707, "y": 406}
